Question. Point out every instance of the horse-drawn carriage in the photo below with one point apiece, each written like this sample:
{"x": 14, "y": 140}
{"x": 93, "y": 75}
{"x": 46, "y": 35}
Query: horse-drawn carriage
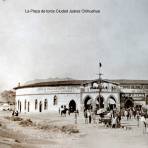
{"x": 104, "y": 117}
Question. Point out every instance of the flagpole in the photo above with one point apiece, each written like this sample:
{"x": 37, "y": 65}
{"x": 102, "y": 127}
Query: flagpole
{"x": 100, "y": 65}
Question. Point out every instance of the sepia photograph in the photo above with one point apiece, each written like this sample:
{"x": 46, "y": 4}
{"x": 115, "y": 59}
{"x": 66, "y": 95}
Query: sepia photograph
{"x": 74, "y": 74}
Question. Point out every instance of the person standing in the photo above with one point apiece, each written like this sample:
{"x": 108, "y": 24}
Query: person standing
{"x": 86, "y": 116}
{"x": 89, "y": 115}
{"x": 59, "y": 111}
{"x": 75, "y": 116}
{"x": 77, "y": 112}
{"x": 134, "y": 113}
{"x": 16, "y": 113}
{"x": 138, "y": 117}
{"x": 13, "y": 113}
{"x": 144, "y": 123}
{"x": 130, "y": 113}
{"x": 119, "y": 119}
{"x": 94, "y": 117}
{"x": 114, "y": 122}
{"x": 126, "y": 114}
{"x": 69, "y": 111}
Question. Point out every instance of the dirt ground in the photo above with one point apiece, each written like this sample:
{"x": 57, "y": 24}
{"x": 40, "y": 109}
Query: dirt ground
{"x": 13, "y": 135}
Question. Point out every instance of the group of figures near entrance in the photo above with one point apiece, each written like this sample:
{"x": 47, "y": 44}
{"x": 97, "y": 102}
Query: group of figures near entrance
{"x": 114, "y": 117}
{"x": 110, "y": 118}
{"x": 134, "y": 112}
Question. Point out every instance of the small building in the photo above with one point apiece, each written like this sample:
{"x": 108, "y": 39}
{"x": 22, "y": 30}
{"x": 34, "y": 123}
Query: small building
{"x": 133, "y": 92}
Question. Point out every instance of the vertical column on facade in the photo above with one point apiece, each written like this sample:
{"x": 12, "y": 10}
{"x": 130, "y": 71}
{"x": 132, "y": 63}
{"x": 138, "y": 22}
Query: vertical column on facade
{"x": 118, "y": 101}
{"x": 81, "y": 100}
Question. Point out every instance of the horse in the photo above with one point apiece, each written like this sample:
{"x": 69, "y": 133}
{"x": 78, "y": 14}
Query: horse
{"x": 64, "y": 112}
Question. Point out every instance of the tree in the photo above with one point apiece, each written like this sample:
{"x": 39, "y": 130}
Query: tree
{"x": 8, "y": 96}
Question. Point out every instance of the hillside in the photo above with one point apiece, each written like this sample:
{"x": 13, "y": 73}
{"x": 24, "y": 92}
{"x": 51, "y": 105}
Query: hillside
{"x": 47, "y": 80}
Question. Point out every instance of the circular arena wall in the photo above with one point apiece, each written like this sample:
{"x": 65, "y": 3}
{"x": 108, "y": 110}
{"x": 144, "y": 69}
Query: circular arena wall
{"x": 46, "y": 99}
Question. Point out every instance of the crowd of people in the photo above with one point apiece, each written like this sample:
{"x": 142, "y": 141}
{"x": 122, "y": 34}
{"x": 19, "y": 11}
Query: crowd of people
{"x": 113, "y": 117}
{"x": 137, "y": 113}
{"x": 15, "y": 113}
{"x": 132, "y": 112}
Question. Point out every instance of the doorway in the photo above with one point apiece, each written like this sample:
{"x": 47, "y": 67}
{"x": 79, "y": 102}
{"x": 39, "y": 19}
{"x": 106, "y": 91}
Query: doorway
{"x": 87, "y": 104}
{"x": 129, "y": 103}
{"x": 40, "y": 106}
{"x": 72, "y": 106}
{"x": 111, "y": 103}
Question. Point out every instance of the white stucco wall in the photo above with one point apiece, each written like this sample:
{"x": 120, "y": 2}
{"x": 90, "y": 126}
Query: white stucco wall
{"x": 64, "y": 96}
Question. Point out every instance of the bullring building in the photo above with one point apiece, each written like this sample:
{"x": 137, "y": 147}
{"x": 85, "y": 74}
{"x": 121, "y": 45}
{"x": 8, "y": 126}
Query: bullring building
{"x": 79, "y": 94}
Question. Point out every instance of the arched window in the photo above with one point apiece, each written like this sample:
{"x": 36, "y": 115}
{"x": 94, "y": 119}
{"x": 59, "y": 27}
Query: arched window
{"x": 111, "y": 103}
{"x": 45, "y": 104}
{"x": 55, "y": 100}
{"x": 18, "y": 104}
{"x": 25, "y": 105}
{"x": 36, "y": 104}
{"x": 87, "y": 102}
{"x": 28, "y": 106}
{"x": 40, "y": 106}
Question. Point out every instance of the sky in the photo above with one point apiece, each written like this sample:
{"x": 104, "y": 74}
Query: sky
{"x": 41, "y": 46}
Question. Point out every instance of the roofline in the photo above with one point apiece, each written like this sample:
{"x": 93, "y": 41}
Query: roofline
{"x": 104, "y": 80}
{"x": 53, "y": 83}
{"x": 82, "y": 82}
{"x": 130, "y": 81}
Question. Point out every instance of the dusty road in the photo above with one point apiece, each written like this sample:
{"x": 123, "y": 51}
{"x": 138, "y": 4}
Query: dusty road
{"x": 13, "y": 135}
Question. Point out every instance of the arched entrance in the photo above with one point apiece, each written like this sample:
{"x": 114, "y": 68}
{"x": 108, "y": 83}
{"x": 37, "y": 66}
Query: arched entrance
{"x": 18, "y": 103}
{"x": 87, "y": 105}
{"x": 111, "y": 103}
{"x": 129, "y": 102}
{"x": 72, "y": 106}
{"x": 100, "y": 102}
{"x": 40, "y": 106}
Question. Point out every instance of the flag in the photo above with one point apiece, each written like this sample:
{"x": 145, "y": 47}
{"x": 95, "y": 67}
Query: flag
{"x": 100, "y": 64}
